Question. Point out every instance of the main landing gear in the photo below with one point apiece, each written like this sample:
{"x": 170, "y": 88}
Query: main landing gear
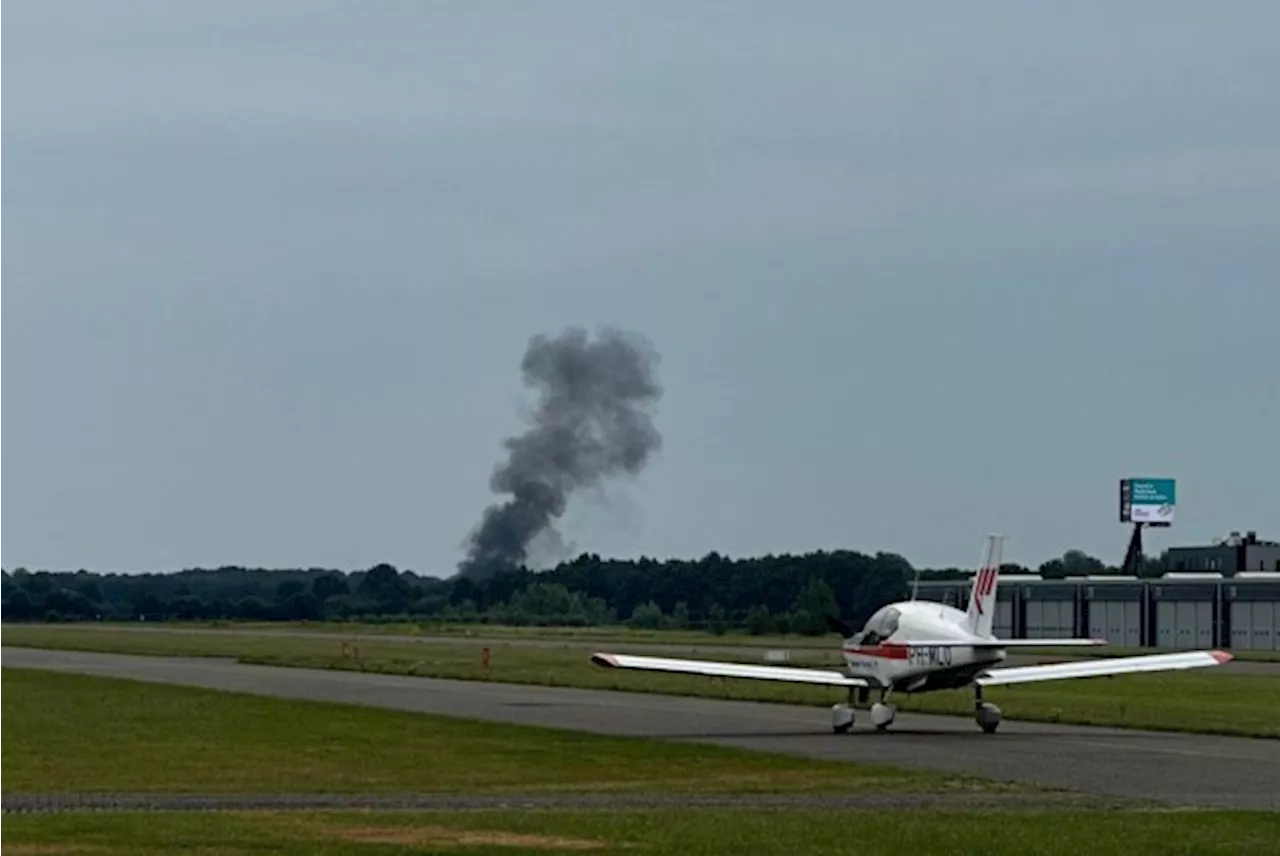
{"x": 841, "y": 718}
{"x": 882, "y": 714}
{"x": 986, "y": 713}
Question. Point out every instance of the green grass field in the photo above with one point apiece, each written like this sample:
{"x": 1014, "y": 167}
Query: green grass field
{"x": 555, "y": 634}
{"x": 1205, "y": 701}
{"x": 73, "y": 733}
{"x": 691, "y": 833}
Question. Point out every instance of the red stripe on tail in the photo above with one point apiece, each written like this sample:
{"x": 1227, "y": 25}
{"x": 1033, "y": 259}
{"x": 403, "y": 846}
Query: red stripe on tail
{"x": 986, "y": 582}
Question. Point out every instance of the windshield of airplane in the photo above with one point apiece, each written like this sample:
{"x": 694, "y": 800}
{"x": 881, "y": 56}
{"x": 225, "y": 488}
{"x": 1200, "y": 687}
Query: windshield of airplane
{"x": 879, "y": 627}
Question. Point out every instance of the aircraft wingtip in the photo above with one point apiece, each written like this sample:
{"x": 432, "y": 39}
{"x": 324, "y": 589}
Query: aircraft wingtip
{"x": 606, "y": 660}
{"x": 1221, "y": 656}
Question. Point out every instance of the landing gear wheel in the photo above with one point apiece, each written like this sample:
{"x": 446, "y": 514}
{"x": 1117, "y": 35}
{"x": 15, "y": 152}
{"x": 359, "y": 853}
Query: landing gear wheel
{"x": 841, "y": 718}
{"x": 882, "y": 715}
{"x": 988, "y": 717}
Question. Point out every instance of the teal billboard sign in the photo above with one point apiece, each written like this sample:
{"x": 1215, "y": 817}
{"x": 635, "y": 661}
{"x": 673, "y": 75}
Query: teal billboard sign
{"x": 1147, "y": 501}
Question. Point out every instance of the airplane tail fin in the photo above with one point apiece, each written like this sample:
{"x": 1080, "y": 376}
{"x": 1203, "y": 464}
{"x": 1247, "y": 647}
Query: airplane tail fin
{"x": 982, "y": 596}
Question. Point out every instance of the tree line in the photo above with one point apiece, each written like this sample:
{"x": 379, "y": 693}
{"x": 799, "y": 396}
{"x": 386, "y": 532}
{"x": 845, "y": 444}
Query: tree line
{"x": 770, "y": 594}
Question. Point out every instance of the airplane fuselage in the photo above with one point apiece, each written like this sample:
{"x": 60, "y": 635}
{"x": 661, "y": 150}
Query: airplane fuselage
{"x": 890, "y": 659}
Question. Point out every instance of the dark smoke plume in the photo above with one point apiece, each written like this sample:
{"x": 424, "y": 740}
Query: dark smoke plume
{"x": 592, "y": 421}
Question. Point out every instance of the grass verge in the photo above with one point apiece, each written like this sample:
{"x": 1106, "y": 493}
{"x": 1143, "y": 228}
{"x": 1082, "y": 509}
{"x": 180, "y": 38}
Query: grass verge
{"x": 689, "y": 833}
{"x": 76, "y": 734}
{"x": 586, "y": 636}
{"x": 461, "y": 631}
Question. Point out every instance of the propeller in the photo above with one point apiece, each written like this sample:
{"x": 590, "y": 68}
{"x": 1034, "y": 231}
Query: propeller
{"x": 840, "y": 627}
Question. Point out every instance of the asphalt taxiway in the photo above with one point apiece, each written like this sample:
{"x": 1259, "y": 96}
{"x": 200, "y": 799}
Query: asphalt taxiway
{"x": 1180, "y": 769}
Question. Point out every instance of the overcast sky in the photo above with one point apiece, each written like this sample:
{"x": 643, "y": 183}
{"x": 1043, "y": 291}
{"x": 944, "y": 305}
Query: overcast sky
{"x": 915, "y": 274}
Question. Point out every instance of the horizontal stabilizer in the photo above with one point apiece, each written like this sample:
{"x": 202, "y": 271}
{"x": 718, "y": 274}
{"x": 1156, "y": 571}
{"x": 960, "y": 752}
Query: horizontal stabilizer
{"x": 1001, "y": 643}
{"x": 829, "y": 677}
{"x": 1100, "y": 668}
{"x": 1044, "y": 643}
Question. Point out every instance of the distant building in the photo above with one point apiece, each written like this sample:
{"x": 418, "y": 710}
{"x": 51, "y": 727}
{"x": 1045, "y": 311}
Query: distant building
{"x": 1233, "y": 554}
{"x": 1224, "y": 595}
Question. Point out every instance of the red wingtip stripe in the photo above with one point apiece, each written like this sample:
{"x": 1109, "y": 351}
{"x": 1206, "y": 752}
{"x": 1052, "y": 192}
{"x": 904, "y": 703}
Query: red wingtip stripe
{"x": 1221, "y": 656}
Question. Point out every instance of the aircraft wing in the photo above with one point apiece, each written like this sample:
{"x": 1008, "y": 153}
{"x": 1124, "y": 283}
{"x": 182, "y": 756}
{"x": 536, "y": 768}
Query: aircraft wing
{"x": 1099, "y": 668}
{"x": 1000, "y": 643}
{"x": 829, "y": 677}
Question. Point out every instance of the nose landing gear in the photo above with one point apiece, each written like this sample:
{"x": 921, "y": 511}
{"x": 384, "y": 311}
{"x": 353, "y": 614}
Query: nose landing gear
{"x": 882, "y": 712}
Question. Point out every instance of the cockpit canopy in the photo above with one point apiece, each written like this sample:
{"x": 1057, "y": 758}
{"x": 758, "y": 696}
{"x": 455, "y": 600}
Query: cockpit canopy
{"x": 879, "y": 627}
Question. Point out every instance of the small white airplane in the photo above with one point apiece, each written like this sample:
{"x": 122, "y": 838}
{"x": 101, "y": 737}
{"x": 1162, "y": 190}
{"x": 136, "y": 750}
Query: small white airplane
{"x": 920, "y": 646}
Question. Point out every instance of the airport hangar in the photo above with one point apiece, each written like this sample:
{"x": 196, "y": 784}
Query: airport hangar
{"x": 1225, "y": 595}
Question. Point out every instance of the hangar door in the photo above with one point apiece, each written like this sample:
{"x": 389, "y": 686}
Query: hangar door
{"x": 1002, "y": 624}
{"x": 1117, "y": 621}
{"x": 1254, "y": 625}
{"x": 1184, "y": 624}
{"x": 1050, "y": 619}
